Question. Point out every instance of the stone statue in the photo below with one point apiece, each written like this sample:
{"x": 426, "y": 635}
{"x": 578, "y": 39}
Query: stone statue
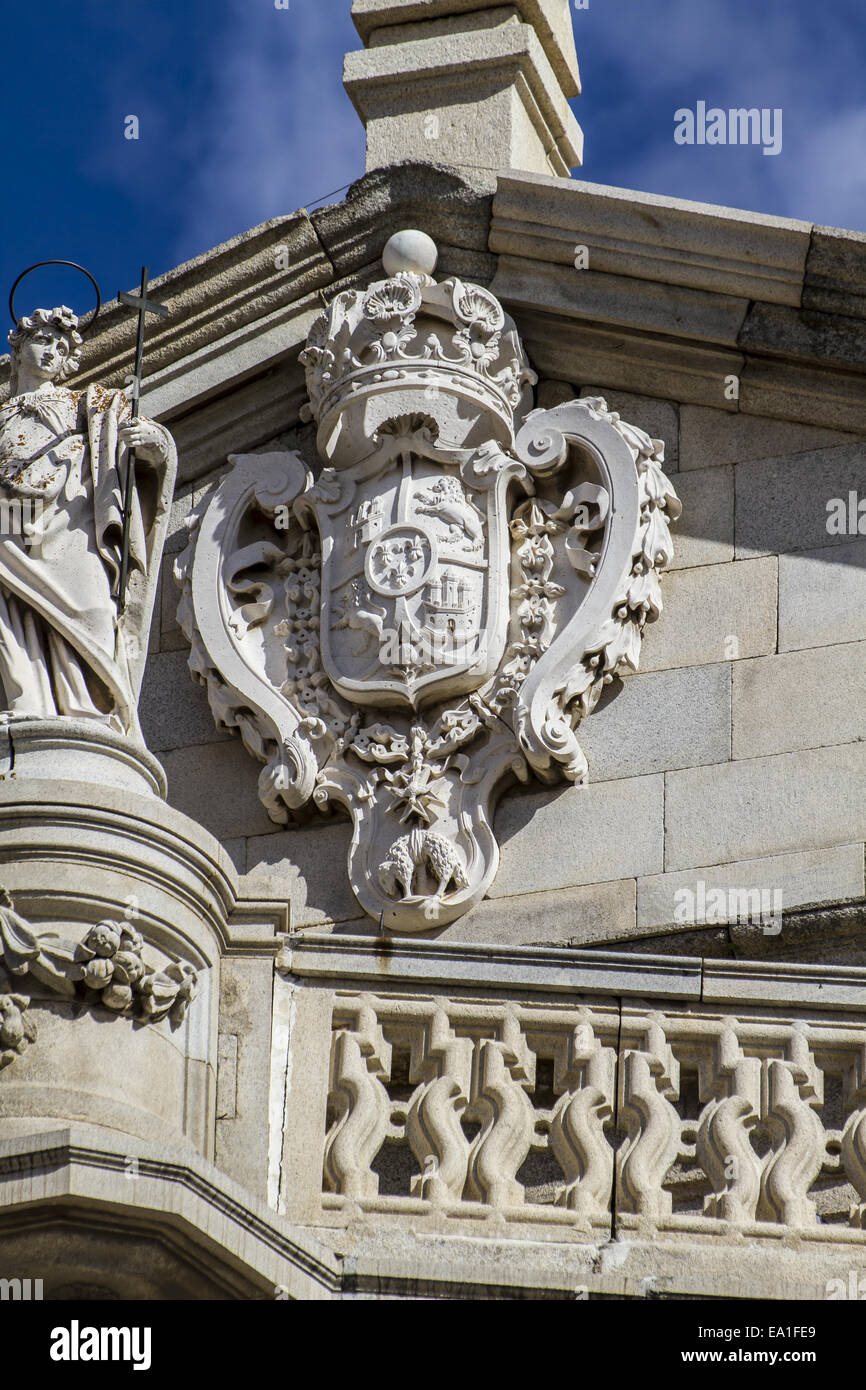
{"x": 64, "y": 649}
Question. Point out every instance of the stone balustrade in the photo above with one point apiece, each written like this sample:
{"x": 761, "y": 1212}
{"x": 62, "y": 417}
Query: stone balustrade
{"x": 578, "y": 1096}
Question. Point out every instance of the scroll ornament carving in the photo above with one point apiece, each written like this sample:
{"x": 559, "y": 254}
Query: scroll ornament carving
{"x": 437, "y": 1140}
{"x": 794, "y": 1091}
{"x": 361, "y": 1058}
{"x": 507, "y": 1123}
{"x": 650, "y": 1083}
{"x": 432, "y": 614}
{"x": 106, "y": 969}
{"x": 433, "y": 1126}
{"x": 577, "y": 1137}
{"x": 724, "y": 1148}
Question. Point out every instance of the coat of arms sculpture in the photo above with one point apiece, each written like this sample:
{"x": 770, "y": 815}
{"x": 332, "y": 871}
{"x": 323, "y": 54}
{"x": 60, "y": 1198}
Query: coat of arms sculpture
{"x": 432, "y": 615}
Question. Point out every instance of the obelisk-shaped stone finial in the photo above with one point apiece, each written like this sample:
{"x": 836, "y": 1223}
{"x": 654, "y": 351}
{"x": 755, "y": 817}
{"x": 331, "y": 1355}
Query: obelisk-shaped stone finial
{"x": 471, "y": 83}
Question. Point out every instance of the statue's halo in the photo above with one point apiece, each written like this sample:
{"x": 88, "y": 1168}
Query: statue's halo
{"x": 82, "y": 329}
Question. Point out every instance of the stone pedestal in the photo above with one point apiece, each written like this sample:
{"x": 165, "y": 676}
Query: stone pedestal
{"x": 74, "y": 853}
{"x": 469, "y": 83}
{"x": 76, "y": 750}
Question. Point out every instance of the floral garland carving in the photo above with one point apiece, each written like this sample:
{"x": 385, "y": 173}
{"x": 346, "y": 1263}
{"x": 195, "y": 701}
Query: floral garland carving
{"x": 106, "y": 969}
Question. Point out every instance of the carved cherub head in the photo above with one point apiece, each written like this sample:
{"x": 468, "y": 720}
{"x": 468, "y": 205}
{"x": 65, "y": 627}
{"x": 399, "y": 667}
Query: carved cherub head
{"x": 44, "y": 348}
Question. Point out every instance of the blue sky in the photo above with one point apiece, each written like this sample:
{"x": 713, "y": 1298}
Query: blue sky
{"x": 243, "y": 117}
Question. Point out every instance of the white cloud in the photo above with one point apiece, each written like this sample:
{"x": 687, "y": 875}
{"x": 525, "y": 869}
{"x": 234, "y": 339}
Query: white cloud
{"x": 781, "y": 54}
{"x": 831, "y": 184}
{"x": 278, "y": 129}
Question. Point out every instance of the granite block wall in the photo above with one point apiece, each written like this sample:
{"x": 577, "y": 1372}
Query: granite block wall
{"x": 735, "y": 759}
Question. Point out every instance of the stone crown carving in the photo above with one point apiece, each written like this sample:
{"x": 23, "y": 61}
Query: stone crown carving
{"x": 432, "y": 616}
{"x": 432, "y": 344}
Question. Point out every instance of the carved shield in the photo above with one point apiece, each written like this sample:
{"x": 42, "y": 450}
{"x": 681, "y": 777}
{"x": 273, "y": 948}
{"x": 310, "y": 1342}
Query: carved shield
{"x": 414, "y": 577}
{"x": 435, "y": 614}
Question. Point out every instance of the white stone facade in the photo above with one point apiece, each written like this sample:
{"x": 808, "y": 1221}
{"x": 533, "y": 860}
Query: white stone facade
{"x": 631, "y": 1062}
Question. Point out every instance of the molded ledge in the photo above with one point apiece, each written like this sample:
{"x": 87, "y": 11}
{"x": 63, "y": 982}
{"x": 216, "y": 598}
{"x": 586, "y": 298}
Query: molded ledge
{"x": 378, "y": 21}
{"x": 451, "y": 965}
{"x": 180, "y": 1219}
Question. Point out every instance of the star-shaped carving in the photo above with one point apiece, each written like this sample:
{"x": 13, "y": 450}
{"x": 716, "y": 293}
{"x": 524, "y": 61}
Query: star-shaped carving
{"x": 413, "y": 789}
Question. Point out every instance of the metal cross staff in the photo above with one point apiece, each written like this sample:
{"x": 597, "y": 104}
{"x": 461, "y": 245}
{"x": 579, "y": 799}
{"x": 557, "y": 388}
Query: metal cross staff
{"x": 144, "y": 306}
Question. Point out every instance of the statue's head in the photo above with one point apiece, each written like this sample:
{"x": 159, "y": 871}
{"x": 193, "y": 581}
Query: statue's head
{"x": 46, "y": 344}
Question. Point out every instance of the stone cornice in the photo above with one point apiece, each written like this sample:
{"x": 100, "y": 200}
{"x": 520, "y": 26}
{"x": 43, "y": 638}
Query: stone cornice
{"x": 256, "y": 926}
{"x": 643, "y": 236}
{"x": 373, "y": 19}
{"x": 80, "y": 1167}
{"x": 826, "y": 931}
{"x": 61, "y": 816}
{"x": 222, "y": 370}
{"x": 214, "y": 296}
{"x": 452, "y": 965}
{"x": 794, "y": 986}
{"x": 382, "y": 963}
{"x": 678, "y": 296}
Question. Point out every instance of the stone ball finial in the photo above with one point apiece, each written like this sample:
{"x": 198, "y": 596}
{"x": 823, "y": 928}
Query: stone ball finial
{"x": 411, "y": 251}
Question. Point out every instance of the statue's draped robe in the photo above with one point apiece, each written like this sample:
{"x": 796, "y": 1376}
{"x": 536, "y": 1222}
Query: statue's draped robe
{"x": 62, "y": 649}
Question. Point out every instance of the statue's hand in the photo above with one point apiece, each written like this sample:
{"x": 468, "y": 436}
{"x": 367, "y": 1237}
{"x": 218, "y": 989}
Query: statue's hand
{"x": 146, "y": 438}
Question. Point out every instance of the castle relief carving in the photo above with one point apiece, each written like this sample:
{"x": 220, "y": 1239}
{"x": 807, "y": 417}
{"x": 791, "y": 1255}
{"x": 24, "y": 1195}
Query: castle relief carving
{"x": 430, "y": 617}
